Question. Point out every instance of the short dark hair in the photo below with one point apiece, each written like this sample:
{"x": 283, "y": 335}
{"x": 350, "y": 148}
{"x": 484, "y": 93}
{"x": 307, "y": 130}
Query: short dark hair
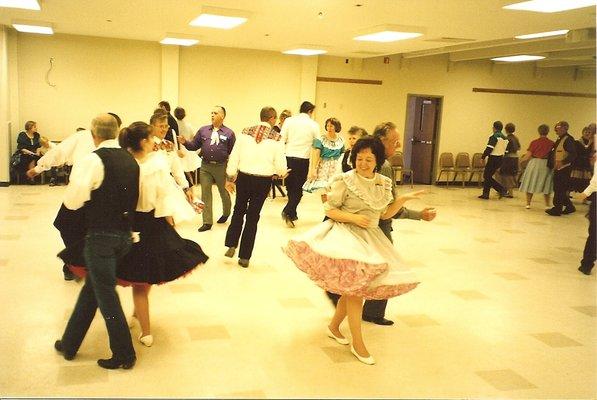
{"x": 307, "y": 107}
{"x": 563, "y": 124}
{"x": 157, "y": 117}
{"x": 498, "y": 126}
{"x": 510, "y": 127}
{"x": 118, "y": 120}
{"x": 381, "y": 130}
{"x": 543, "y": 129}
{"x": 357, "y": 130}
{"x": 376, "y": 146}
{"x": 223, "y": 110}
{"x": 335, "y": 122}
{"x": 164, "y": 104}
{"x": 131, "y": 136}
{"x": 267, "y": 113}
{"x": 180, "y": 113}
{"x": 29, "y": 125}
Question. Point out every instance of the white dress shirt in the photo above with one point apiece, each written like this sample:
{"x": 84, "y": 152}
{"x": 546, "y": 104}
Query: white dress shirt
{"x": 86, "y": 176}
{"x": 592, "y": 188}
{"x": 298, "y": 133}
{"x": 265, "y": 158}
{"x": 175, "y": 166}
{"x": 69, "y": 151}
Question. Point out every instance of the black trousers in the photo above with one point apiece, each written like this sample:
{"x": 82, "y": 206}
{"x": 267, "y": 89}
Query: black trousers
{"x": 493, "y": 164}
{"x": 251, "y": 192}
{"x": 72, "y": 227}
{"x": 588, "y": 259}
{"x": 294, "y": 184}
{"x": 561, "y": 185}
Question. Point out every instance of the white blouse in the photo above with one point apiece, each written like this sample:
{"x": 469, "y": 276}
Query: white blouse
{"x": 158, "y": 190}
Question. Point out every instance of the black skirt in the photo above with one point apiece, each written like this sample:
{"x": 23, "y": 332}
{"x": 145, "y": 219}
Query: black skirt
{"x": 161, "y": 255}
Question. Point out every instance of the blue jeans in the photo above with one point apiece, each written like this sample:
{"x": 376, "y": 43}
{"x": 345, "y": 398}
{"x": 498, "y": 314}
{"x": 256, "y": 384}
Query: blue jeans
{"x": 103, "y": 250}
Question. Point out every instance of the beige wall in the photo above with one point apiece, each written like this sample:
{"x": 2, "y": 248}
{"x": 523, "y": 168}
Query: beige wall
{"x": 467, "y": 116}
{"x": 91, "y": 75}
{"x": 240, "y": 80}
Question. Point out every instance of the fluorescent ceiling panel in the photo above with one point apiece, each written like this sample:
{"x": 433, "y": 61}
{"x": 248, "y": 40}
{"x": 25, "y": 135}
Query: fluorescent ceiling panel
{"x": 26, "y": 28}
{"x": 550, "y": 6}
{"x": 220, "y": 18}
{"x": 24, "y": 4}
{"x": 388, "y": 36}
{"x": 179, "y": 41}
{"x": 520, "y": 58}
{"x": 542, "y": 34}
{"x": 305, "y": 52}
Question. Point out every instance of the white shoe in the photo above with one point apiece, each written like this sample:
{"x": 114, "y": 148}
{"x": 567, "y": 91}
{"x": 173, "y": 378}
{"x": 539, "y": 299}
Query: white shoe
{"x": 365, "y": 360}
{"x": 340, "y": 340}
{"x": 146, "y": 340}
{"x": 133, "y": 321}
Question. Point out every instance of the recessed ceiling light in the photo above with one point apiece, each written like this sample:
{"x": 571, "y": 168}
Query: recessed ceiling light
{"x": 388, "y": 36}
{"x": 519, "y": 58}
{"x": 24, "y": 4}
{"x": 542, "y": 34}
{"x": 34, "y": 27}
{"x": 179, "y": 41}
{"x": 550, "y": 6}
{"x": 305, "y": 52}
{"x": 389, "y": 33}
{"x": 220, "y": 18}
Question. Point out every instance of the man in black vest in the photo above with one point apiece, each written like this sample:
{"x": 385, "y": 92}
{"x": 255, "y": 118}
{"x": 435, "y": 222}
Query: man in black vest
{"x": 561, "y": 157}
{"x": 106, "y": 183}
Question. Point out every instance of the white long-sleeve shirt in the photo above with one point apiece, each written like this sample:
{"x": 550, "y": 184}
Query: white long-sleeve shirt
{"x": 69, "y": 151}
{"x": 592, "y": 188}
{"x": 298, "y": 133}
{"x": 86, "y": 176}
{"x": 265, "y": 158}
{"x": 176, "y": 167}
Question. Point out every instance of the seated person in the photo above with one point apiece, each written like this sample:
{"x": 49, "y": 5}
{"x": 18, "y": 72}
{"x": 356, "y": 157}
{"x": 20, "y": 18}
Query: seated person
{"x": 28, "y": 142}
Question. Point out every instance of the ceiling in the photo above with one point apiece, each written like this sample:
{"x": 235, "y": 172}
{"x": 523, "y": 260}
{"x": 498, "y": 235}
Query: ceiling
{"x": 279, "y": 25}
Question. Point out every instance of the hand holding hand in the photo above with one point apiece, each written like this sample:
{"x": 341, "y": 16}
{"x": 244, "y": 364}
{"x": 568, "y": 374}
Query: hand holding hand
{"x": 361, "y": 220}
{"x": 181, "y": 139}
{"x": 31, "y": 173}
{"x": 189, "y": 194}
{"x": 231, "y": 187}
{"x": 428, "y": 214}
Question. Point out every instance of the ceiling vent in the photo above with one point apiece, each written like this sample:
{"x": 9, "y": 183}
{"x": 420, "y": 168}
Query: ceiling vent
{"x": 449, "y": 40}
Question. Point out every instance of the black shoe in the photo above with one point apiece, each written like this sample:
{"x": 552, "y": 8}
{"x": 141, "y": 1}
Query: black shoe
{"x": 60, "y": 349}
{"x": 554, "y": 212}
{"x": 378, "y": 321}
{"x": 204, "y": 228}
{"x": 223, "y": 219}
{"x": 569, "y": 210}
{"x": 68, "y": 275}
{"x": 484, "y": 197}
{"x": 243, "y": 262}
{"x": 115, "y": 363}
{"x": 584, "y": 271}
{"x": 230, "y": 252}
{"x": 289, "y": 222}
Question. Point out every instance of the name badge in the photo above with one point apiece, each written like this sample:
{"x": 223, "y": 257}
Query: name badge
{"x": 222, "y": 137}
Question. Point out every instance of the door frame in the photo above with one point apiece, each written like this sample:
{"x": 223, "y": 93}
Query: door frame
{"x": 437, "y": 133}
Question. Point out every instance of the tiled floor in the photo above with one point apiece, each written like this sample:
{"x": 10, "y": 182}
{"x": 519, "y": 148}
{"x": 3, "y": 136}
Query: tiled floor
{"x": 501, "y": 312}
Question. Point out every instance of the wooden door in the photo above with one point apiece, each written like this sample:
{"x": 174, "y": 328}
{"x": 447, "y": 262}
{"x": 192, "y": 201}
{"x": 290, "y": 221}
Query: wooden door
{"x": 426, "y": 118}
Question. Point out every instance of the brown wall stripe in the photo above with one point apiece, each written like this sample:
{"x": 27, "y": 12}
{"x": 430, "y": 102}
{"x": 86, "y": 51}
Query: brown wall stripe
{"x": 344, "y": 80}
{"x": 534, "y": 92}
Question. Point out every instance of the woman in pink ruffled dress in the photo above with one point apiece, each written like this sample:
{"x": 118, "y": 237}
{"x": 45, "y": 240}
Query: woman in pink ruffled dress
{"x": 348, "y": 254}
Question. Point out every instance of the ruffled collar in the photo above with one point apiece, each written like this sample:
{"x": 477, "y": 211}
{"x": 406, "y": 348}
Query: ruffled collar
{"x": 335, "y": 144}
{"x": 375, "y": 192}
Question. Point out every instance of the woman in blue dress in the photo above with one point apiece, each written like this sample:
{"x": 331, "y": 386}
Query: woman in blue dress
{"x": 325, "y": 157}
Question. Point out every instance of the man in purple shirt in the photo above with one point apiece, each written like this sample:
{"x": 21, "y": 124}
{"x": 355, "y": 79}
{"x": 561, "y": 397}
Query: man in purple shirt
{"x": 215, "y": 143}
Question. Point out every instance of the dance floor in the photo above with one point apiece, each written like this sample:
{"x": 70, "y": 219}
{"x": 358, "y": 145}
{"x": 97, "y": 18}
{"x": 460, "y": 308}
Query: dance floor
{"x": 501, "y": 312}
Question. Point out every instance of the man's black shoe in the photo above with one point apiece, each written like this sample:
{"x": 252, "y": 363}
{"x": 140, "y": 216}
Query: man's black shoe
{"x": 223, "y": 219}
{"x": 115, "y": 363}
{"x": 289, "y": 222}
{"x": 204, "y": 228}
{"x": 68, "y": 275}
{"x": 584, "y": 271}
{"x": 554, "y": 212}
{"x": 378, "y": 321}
{"x": 484, "y": 197}
{"x": 58, "y": 346}
{"x": 569, "y": 210}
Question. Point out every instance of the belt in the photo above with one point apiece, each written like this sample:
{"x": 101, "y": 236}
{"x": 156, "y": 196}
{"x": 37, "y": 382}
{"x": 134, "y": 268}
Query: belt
{"x": 215, "y": 162}
{"x": 257, "y": 176}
